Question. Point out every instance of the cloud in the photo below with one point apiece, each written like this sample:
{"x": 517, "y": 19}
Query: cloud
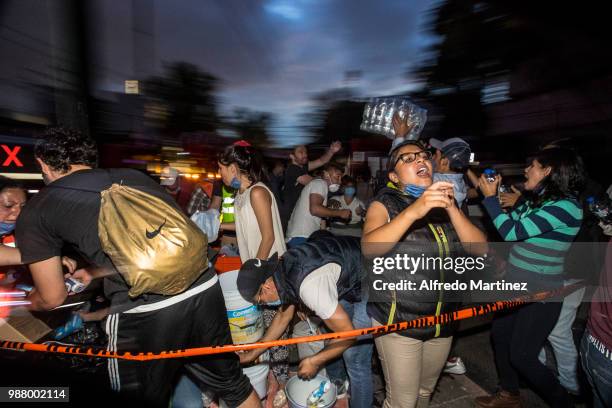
{"x": 273, "y": 55}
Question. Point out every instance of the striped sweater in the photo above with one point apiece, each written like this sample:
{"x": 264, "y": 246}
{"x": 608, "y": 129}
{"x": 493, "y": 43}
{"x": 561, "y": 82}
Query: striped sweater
{"x": 543, "y": 234}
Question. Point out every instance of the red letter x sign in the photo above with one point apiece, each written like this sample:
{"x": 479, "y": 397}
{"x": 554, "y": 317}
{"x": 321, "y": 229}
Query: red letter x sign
{"x": 12, "y": 156}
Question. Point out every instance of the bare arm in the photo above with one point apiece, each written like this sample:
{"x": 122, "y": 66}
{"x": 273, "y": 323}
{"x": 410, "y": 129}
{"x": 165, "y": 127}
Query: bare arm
{"x": 49, "y": 290}
{"x": 262, "y": 206}
{"x": 339, "y": 321}
{"x": 323, "y": 160}
{"x": 9, "y": 256}
{"x": 304, "y": 179}
{"x": 216, "y": 203}
{"x": 472, "y": 177}
{"x": 468, "y": 233}
{"x": 279, "y": 324}
{"x": 319, "y": 210}
{"x": 228, "y": 226}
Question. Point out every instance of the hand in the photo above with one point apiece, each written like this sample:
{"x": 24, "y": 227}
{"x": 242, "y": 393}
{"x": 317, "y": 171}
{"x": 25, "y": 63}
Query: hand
{"x": 83, "y": 275}
{"x": 607, "y": 228}
{"x": 509, "y": 199}
{"x": 334, "y": 204}
{"x": 335, "y": 147}
{"x": 400, "y": 126}
{"x": 360, "y": 211}
{"x": 346, "y": 214}
{"x": 69, "y": 263}
{"x": 247, "y": 357}
{"x": 436, "y": 196}
{"x": 450, "y": 193}
{"x": 488, "y": 188}
{"x": 303, "y": 179}
{"x": 308, "y": 369}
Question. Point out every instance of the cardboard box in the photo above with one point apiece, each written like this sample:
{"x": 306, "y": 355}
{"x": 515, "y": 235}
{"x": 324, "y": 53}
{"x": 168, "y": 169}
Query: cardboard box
{"x": 23, "y": 327}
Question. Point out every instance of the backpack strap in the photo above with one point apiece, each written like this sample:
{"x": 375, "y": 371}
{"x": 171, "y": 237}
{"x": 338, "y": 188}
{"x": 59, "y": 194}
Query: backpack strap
{"x": 89, "y": 190}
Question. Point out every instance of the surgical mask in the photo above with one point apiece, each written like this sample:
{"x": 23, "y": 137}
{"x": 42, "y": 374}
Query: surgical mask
{"x": 349, "y": 191}
{"x": 6, "y": 227}
{"x": 414, "y": 190}
{"x": 235, "y": 183}
{"x": 274, "y": 303}
{"x": 333, "y": 188}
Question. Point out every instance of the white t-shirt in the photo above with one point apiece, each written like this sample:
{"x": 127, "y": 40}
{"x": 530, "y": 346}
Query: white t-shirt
{"x": 302, "y": 223}
{"x": 319, "y": 290}
{"x": 353, "y": 206}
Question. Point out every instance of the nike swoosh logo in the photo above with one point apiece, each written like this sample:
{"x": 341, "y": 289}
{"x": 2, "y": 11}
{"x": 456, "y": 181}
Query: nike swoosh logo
{"x": 154, "y": 233}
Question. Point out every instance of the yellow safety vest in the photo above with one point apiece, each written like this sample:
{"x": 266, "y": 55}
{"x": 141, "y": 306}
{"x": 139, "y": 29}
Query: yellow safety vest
{"x": 227, "y": 204}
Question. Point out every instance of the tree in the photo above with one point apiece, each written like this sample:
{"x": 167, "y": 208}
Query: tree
{"x": 189, "y": 96}
{"x": 335, "y": 116}
{"x": 252, "y": 126}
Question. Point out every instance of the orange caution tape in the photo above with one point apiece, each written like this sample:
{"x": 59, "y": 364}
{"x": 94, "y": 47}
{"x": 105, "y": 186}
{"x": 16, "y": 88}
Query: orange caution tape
{"x": 377, "y": 330}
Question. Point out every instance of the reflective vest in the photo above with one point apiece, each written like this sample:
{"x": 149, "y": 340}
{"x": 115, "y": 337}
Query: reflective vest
{"x": 227, "y": 204}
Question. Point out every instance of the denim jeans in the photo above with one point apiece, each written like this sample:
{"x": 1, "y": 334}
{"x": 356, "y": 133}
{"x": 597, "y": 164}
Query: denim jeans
{"x": 598, "y": 370}
{"x": 357, "y": 359}
{"x": 561, "y": 339}
{"x": 186, "y": 394}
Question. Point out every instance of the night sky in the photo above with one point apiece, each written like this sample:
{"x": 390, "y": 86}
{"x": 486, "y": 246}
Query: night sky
{"x": 273, "y": 55}
{"x": 270, "y": 55}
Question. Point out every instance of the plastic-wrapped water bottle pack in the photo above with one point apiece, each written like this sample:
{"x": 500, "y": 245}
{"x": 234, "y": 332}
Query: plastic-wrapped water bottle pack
{"x": 378, "y": 116}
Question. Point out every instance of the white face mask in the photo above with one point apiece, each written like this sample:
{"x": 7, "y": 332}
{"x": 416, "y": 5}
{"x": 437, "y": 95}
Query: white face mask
{"x": 333, "y": 188}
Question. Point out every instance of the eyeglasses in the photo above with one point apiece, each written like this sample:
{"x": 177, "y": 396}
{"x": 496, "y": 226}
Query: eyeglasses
{"x": 407, "y": 158}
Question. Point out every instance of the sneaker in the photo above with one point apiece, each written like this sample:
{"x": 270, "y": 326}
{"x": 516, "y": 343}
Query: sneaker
{"x": 454, "y": 365}
{"x": 501, "y": 399}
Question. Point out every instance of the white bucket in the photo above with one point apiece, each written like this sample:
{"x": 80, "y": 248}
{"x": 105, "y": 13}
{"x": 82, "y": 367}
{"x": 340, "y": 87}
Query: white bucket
{"x": 258, "y": 374}
{"x": 246, "y": 326}
{"x": 245, "y": 318}
{"x": 298, "y": 391}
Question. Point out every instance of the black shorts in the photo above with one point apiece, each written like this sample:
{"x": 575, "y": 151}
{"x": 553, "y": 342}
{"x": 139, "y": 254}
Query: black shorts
{"x": 199, "y": 320}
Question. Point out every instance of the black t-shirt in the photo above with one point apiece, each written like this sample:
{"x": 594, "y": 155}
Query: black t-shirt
{"x": 217, "y": 184}
{"x": 292, "y": 189}
{"x": 65, "y": 213}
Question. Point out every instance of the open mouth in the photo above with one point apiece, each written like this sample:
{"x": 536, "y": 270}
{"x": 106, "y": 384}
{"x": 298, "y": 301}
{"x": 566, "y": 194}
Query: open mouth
{"x": 423, "y": 171}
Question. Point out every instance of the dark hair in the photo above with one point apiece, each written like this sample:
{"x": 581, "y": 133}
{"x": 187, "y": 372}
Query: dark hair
{"x": 333, "y": 166}
{"x": 346, "y": 179}
{"x": 456, "y": 166}
{"x": 248, "y": 160}
{"x": 297, "y": 147}
{"x": 394, "y": 155}
{"x": 566, "y": 179}
{"x": 6, "y": 183}
{"x": 63, "y": 147}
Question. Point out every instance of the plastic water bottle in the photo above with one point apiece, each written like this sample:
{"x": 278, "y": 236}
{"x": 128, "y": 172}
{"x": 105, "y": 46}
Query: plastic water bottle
{"x": 378, "y": 116}
{"x": 388, "y": 122}
{"x": 367, "y": 116}
{"x": 490, "y": 174}
{"x": 72, "y": 325}
{"x": 600, "y": 208}
{"x": 317, "y": 394}
{"x": 379, "y": 125}
{"x": 74, "y": 286}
